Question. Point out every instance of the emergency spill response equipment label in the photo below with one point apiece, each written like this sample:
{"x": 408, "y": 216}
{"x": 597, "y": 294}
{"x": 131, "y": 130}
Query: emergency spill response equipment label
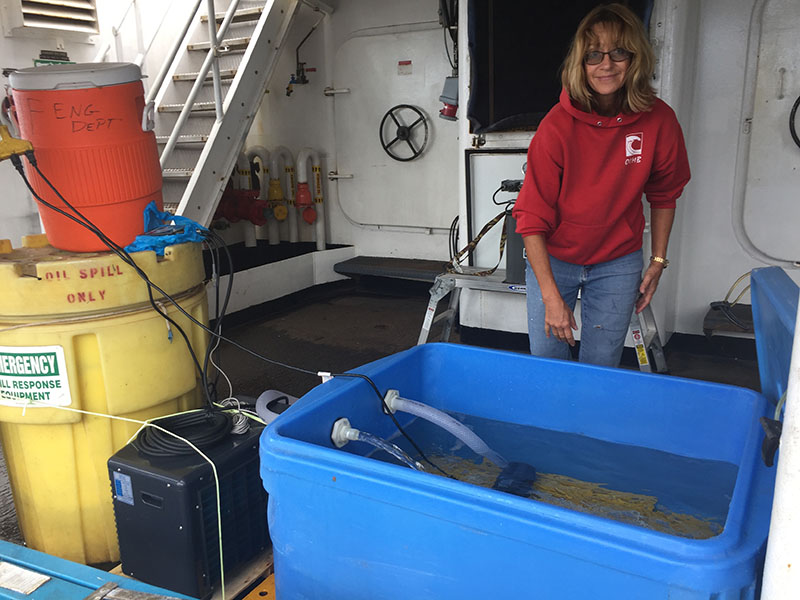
{"x": 33, "y": 375}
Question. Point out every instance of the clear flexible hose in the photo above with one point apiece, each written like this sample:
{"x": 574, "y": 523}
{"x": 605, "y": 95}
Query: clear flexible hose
{"x": 390, "y": 448}
{"x": 445, "y": 421}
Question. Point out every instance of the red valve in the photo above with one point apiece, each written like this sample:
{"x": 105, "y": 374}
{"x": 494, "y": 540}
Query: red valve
{"x": 236, "y": 205}
{"x": 303, "y": 195}
{"x": 309, "y": 214}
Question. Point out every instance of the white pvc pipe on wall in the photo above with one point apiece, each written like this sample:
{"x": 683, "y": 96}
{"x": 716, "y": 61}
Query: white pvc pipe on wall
{"x": 782, "y": 567}
{"x": 290, "y": 223}
{"x": 306, "y": 155}
{"x": 243, "y": 180}
{"x": 262, "y": 154}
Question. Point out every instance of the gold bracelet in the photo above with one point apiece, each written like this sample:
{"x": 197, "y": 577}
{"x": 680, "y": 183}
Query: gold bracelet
{"x": 660, "y": 259}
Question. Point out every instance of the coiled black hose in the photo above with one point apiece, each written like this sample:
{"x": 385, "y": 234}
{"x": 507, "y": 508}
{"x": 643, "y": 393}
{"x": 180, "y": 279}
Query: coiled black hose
{"x": 792, "y": 114}
{"x": 202, "y": 428}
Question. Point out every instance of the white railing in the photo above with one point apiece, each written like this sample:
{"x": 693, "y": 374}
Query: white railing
{"x": 116, "y": 34}
{"x": 780, "y": 581}
{"x": 214, "y": 39}
{"x": 158, "y": 82}
{"x": 211, "y": 60}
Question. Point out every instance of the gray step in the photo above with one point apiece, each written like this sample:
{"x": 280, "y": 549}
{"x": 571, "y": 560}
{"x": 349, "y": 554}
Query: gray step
{"x": 395, "y": 268}
{"x": 179, "y": 174}
{"x": 224, "y": 74}
{"x": 199, "y": 107}
{"x": 246, "y": 14}
{"x": 229, "y": 45}
{"x": 185, "y": 140}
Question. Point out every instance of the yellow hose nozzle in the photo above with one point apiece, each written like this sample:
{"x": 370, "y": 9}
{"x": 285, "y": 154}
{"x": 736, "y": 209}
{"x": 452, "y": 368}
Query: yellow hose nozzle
{"x": 9, "y": 145}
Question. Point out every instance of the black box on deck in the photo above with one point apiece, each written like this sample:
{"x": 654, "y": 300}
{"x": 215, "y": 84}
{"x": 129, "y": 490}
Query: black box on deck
{"x": 166, "y": 514}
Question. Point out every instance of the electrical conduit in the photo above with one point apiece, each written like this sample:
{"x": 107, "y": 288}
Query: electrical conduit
{"x": 395, "y": 403}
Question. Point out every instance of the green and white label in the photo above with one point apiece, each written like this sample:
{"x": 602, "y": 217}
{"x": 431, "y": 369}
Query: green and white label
{"x": 33, "y": 375}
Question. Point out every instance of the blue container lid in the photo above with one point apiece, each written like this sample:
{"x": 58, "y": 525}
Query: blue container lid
{"x": 774, "y": 296}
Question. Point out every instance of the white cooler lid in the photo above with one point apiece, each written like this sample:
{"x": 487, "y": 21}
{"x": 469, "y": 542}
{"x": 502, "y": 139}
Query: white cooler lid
{"x": 74, "y": 77}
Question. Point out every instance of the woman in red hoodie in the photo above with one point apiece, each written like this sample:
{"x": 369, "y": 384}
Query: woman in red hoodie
{"x": 607, "y": 142}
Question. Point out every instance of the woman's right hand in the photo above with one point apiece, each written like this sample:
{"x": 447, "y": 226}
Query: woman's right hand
{"x": 559, "y": 319}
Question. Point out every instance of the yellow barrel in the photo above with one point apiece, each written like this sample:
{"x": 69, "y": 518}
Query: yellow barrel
{"x": 78, "y": 330}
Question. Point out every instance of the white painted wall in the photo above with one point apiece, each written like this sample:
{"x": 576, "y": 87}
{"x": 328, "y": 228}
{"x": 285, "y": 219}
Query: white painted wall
{"x": 19, "y": 214}
{"x": 710, "y": 257}
{"x": 308, "y": 118}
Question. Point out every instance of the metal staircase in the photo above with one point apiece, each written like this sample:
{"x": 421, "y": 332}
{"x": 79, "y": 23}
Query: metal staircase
{"x": 207, "y": 93}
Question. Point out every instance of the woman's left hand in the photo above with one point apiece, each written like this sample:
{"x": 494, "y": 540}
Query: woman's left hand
{"x": 648, "y": 286}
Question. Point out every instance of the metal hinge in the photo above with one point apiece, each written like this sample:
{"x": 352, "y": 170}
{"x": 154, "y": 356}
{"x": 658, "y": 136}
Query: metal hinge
{"x": 333, "y": 175}
{"x": 329, "y": 91}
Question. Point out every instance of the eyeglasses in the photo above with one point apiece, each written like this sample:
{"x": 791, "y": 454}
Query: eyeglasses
{"x": 595, "y": 57}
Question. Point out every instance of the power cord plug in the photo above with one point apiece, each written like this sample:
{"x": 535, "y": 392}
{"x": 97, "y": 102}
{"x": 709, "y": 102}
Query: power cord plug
{"x": 511, "y": 185}
{"x": 11, "y": 146}
{"x": 726, "y": 308}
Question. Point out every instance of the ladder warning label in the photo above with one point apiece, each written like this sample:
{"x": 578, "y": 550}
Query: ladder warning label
{"x": 33, "y": 375}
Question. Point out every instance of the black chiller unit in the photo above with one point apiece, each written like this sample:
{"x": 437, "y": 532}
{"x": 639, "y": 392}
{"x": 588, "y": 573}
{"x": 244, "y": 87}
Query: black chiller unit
{"x": 166, "y": 513}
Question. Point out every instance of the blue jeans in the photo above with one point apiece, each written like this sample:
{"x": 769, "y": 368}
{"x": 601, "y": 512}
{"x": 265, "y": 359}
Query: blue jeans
{"x": 608, "y": 294}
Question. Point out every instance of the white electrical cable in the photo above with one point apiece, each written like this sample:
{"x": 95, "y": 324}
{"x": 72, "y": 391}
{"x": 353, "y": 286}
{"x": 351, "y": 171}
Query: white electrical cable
{"x": 218, "y": 368}
{"x": 241, "y": 423}
{"x": 176, "y": 436}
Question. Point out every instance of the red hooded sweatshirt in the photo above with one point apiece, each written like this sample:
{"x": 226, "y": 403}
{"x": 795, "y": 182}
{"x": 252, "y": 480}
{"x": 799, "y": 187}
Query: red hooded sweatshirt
{"x": 586, "y": 175}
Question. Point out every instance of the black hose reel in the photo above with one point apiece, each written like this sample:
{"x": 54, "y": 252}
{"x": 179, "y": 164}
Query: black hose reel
{"x": 400, "y": 141}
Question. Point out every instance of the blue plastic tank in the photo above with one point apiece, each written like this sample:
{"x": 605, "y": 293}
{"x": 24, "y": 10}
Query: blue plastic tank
{"x": 774, "y": 298}
{"x": 345, "y": 526}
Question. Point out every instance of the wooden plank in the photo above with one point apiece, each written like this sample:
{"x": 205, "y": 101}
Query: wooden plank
{"x": 257, "y": 568}
{"x": 264, "y": 590}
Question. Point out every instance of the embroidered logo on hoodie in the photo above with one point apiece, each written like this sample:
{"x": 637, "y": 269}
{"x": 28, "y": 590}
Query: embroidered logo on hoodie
{"x": 633, "y": 148}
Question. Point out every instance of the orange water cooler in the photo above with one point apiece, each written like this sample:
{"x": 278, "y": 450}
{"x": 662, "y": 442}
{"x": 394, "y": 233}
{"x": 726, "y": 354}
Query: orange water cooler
{"x": 93, "y": 139}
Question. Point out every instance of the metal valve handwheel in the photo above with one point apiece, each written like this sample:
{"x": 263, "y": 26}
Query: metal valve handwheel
{"x": 410, "y": 138}
{"x": 792, "y": 129}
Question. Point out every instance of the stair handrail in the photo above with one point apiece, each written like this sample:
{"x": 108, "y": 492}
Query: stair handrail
{"x": 102, "y": 54}
{"x": 104, "y": 49}
{"x": 213, "y": 39}
{"x": 144, "y": 52}
{"x": 211, "y": 58}
{"x": 158, "y": 82}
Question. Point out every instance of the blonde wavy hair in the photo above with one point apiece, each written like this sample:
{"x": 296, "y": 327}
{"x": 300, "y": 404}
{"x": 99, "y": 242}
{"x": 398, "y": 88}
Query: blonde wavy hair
{"x": 637, "y": 92}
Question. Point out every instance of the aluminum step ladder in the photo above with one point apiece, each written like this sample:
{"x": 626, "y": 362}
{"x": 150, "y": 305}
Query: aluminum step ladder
{"x": 643, "y": 328}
